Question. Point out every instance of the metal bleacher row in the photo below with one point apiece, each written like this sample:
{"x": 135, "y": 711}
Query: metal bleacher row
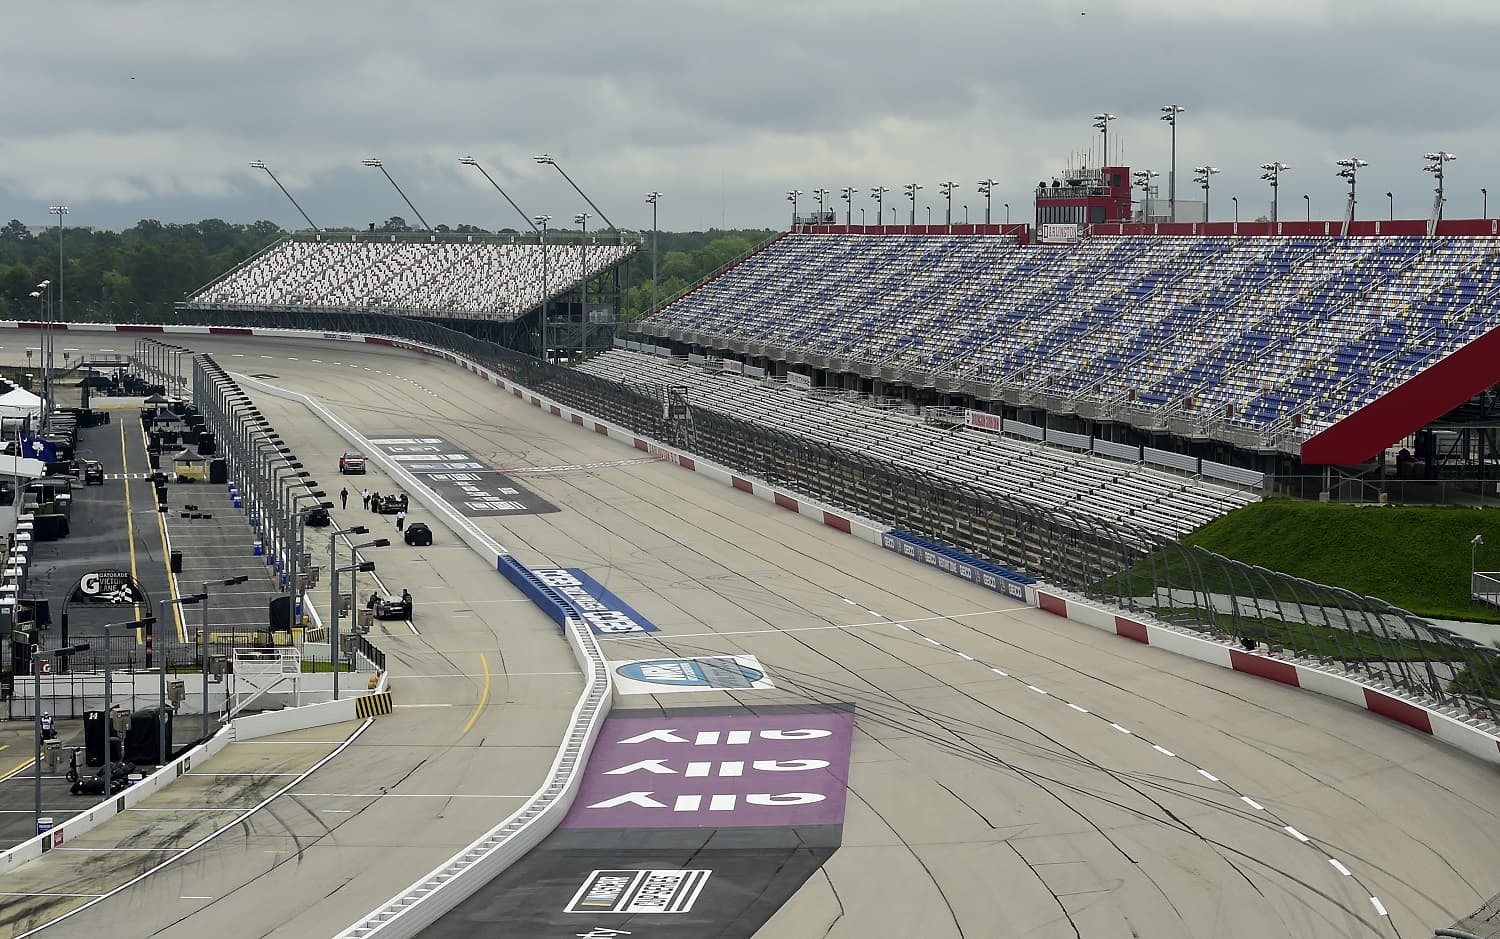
{"x": 483, "y": 279}
{"x": 1050, "y": 478}
{"x": 1249, "y": 330}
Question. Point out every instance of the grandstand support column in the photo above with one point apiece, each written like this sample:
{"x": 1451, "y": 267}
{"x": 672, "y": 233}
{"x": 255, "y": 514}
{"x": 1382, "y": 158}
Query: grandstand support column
{"x": 582, "y": 218}
{"x": 547, "y": 160}
{"x": 542, "y": 220}
{"x": 651, "y": 197}
{"x": 1169, "y": 114}
{"x": 470, "y": 161}
{"x": 381, "y": 166}
{"x": 261, "y": 165}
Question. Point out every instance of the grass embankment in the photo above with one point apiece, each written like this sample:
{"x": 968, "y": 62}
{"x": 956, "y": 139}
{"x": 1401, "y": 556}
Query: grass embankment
{"x": 1416, "y": 558}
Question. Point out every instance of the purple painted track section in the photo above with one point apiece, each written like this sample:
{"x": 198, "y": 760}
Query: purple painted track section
{"x": 730, "y": 770}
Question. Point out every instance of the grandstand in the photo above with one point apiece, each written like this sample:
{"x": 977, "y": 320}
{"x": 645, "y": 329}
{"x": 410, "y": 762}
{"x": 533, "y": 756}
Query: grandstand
{"x": 1326, "y": 349}
{"x": 1125, "y": 494}
{"x": 458, "y": 279}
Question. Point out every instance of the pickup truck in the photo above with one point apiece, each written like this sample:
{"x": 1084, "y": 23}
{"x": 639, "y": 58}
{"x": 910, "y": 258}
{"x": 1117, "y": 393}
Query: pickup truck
{"x": 352, "y": 463}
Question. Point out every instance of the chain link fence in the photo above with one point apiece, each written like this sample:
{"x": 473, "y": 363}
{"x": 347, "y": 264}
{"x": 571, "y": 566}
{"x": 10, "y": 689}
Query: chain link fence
{"x": 1113, "y": 563}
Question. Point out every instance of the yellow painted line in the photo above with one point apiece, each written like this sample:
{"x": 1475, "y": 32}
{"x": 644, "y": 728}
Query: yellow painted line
{"x": 129, "y": 525}
{"x": 484, "y": 697}
{"x": 11, "y": 772}
{"x": 166, "y": 559}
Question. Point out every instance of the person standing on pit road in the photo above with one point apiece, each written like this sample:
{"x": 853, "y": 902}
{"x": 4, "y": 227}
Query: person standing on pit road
{"x": 365, "y": 497}
{"x": 344, "y": 497}
{"x": 401, "y": 520}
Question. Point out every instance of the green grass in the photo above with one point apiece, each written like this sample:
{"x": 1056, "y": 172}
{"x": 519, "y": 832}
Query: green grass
{"x": 1416, "y": 558}
{"x": 1316, "y": 639}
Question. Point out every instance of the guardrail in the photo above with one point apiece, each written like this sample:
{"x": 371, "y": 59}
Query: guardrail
{"x": 1485, "y": 587}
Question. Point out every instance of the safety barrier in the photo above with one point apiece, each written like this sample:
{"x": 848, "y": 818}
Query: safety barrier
{"x": 958, "y": 563}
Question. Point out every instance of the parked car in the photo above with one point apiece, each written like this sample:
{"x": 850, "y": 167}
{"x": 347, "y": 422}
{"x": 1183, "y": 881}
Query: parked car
{"x": 352, "y": 463}
{"x": 417, "y": 533}
{"x": 319, "y": 518}
{"x": 390, "y": 505}
{"x": 93, "y": 473}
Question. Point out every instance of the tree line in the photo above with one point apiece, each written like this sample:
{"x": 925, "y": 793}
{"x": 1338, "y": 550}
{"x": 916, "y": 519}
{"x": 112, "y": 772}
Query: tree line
{"x": 147, "y": 268}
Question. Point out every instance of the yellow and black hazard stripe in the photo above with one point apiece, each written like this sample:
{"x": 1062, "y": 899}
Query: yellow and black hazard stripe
{"x": 372, "y": 705}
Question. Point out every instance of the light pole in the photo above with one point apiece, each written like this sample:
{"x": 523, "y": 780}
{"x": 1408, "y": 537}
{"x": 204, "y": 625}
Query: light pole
{"x": 791, "y": 196}
{"x": 1435, "y": 163}
{"x": 1474, "y": 544}
{"x": 333, "y": 588}
{"x": 879, "y": 193}
{"x": 946, "y": 187}
{"x": 1169, "y": 114}
{"x": 203, "y": 641}
{"x": 1202, "y": 175}
{"x": 1272, "y": 175}
{"x": 1484, "y": 209}
{"x": 1391, "y": 199}
{"x": 582, "y": 219}
{"x": 1101, "y": 124}
{"x": 1142, "y": 179}
{"x": 1308, "y": 199}
{"x": 261, "y": 165}
{"x": 1349, "y": 169}
{"x": 334, "y": 654}
{"x": 542, "y": 220}
{"x": 57, "y": 308}
{"x": 821, "y": 195}
{"x": 37, "y": 656}
{"x": 45, "y": 350}
{"x": 651, "y": 197}
{"x": 1007, "y": 213}
{"x": 986, "y": 187}
{"x": 911, "y": 190}
{"x": 161, "y": 693}
{"x": 1236, "y": 201}
{"x": 545, "y": 159}
{"x": 109, "y": 723}
{"x": 470, "y": 161}
{"x": 295, "y": 562}
{"x": 381, "y": 166}
{"x": 848, "y": 193}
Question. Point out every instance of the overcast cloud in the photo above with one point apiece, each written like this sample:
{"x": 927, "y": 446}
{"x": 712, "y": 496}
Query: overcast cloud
{"x": 153, "y": 109}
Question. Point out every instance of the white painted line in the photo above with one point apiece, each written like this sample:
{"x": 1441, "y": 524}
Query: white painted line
{"x": 872, "y": 612}
{"x": 338, "y": 811}
{"x": 46, "y": 894}
{"x": 1252, "y": 803}
{"x": 1036, "y": 689}
{"x": 190, "y": 898}
{"x": 998, "y": 672}
{"x": 1162, "y": 750}
{"x": 401, "y": 795}
{"x": 1296, "y": 834}
{"x": 963, "y": 655}
{"x": 200, "y": 772}
{"x": 1077, "y": 708}
{"x": 416, "y": 706}
{"x": 931, "y": 641}
{"x": 1207, "y": 775}
{"x": 1340, "y": 868}
{"x": 904, "y": 627}
{"x": 1118, "y": 727}
{"x": 848, "y": 601}
{"x": 1379, "y": 907}
{"x": 798, "y": 629}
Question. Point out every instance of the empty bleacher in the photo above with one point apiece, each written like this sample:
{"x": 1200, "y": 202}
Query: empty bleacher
{"x": 1243, "y": 331}
{"x": 1051, "y": 478}
{"x": 484, "y": 280}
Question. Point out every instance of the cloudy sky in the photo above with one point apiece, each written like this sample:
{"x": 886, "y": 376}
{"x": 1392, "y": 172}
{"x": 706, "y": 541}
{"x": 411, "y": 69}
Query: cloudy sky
{"x": 129, "y": 110}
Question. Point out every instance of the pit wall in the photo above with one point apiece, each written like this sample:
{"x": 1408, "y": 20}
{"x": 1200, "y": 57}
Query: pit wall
{"x": 1476, "y": 737}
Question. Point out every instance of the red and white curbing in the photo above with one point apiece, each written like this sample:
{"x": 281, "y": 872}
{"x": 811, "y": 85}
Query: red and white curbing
{"x": 1416, "y": 714}
{"x": 1477, "y": 739}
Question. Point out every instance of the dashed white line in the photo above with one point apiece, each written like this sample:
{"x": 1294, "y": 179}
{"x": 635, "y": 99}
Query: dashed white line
{"x": 190, "y": 898}
{"x": 963, "y": 655}
{"x": 1340, "y": 868}
{"x": 1295, "y": 834}
{"x": 904, "y": 626}
{"x": 871, "y": 612}
{"x": 1252, "y": 803}
{"x": 1036, "y": 689}
{"x": 1080, "y": 710}
{"x": 1379, "y": 907}
{"x": 1162, "y": 750}
{"x": 932, "y": 641}
{"x": 1122, "y": 730}
{"x": 848, "y": 601}
{"x": 1207, "y": 775}
{"x": 998, "y": 672}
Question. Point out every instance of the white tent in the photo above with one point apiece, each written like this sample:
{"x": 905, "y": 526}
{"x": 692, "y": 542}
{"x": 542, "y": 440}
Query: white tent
{"x": 18, "y": 402}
